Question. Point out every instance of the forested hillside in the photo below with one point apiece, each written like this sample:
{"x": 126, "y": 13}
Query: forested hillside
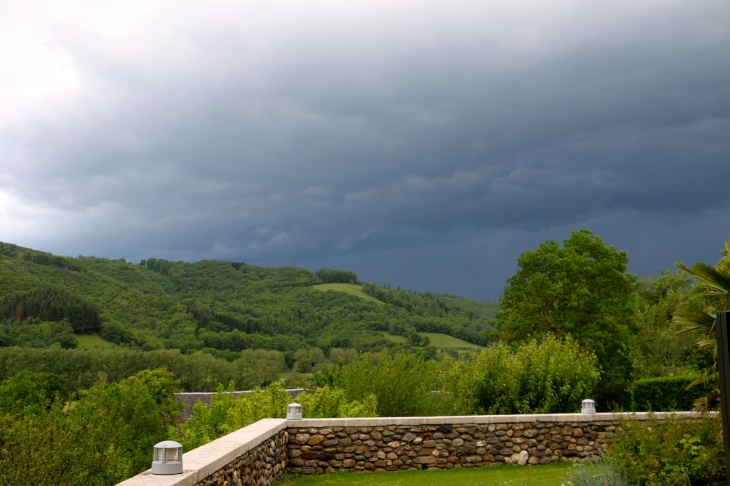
{"x": 217, "y": 307}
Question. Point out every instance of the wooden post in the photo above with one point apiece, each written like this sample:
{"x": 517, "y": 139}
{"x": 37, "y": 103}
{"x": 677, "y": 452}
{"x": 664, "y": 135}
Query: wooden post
{"x": 723, "y": 366}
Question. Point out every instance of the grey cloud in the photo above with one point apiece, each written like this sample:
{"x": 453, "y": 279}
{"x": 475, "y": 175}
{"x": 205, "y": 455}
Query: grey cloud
{"x": 299, "y": 133}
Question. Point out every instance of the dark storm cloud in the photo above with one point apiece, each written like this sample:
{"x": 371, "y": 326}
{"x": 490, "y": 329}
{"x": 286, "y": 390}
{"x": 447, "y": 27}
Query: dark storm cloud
{"x": 296, "y": 133}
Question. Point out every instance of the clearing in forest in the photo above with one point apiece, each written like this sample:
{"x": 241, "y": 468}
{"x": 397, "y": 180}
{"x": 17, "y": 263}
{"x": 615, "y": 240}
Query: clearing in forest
{"x": 352, "y": 289}
{"x": 439, "y": 341}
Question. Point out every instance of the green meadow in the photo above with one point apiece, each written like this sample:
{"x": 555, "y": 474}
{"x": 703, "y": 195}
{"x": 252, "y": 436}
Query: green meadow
{"x": 439, "y": 341}
{"x": 93, "y": 341}
{"x": 352, "y": 289}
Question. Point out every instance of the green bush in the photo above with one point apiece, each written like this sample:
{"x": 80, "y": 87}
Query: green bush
{"x": 552, "y": 376}
{"x": 404, "y": 384}
{"x": 227, "y": 414}
{"x": 329, "y": 402}
{"x": 671, "y": 451}
{"x": 101, "y": 437}
{"x": 665, "y": 394}
{"x": 260, "y": 403}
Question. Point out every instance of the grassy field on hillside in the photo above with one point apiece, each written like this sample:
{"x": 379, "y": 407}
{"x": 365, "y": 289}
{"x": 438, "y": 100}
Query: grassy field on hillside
{"x": 352, "y": 289}
{"x": 476, "y": 307}
{"x": 509, "y": 475}
{"x": 394, "y": 338}
{"x": 93, "y": 340}
{"x": 439, "y": 341}
{"x": 444, "y": 341}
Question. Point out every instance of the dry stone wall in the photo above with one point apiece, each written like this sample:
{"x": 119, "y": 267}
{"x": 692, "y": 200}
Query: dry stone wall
{"x": 251, "y": 456}
{"x": 314, "y": 450}
{"x": 257, "y": 454}
{"x": 258, "y": 467}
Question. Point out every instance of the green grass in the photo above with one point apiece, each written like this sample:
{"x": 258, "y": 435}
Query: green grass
{"x": 93, "y": 340}
{"x": 439, "y": 341}
{"x": 476, "y": 307}
{"x": 444, "y": 341}
{"x": 509, "y": 475}
{"x": 394, "y": 338}
{"x": 352, "y": 289}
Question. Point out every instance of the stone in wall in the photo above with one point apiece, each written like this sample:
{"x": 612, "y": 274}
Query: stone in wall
{"x": 257, "y": 467}
{"x": 401, "y": 447}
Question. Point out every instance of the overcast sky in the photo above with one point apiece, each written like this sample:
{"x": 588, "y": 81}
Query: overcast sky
{"x": 422, "y": 143}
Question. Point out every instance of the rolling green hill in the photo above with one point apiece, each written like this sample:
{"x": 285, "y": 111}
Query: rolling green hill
{"x": 217, "y": 307}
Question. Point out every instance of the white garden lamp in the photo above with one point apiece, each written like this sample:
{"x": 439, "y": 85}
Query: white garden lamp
{"x": 588, "y": 406}
{"x": 294, "y": 411}
{"x": 167, "y": 458}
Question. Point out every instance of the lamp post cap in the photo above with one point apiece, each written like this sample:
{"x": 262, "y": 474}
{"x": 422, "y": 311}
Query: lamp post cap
{"x": 167, "y": 444}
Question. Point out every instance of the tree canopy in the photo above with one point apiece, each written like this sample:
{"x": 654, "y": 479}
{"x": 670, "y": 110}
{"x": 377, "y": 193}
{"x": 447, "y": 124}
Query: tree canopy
{"x": 581, "y": 290}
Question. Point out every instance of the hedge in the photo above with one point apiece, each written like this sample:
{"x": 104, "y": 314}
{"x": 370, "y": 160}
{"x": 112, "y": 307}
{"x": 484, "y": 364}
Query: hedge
{"x": 665, "y": 394}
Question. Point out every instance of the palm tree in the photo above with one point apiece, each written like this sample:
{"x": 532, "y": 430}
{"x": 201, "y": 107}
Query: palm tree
{"x": 716, "y": 281}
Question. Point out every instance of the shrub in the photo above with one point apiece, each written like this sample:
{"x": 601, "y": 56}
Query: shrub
{"x": 671, "y": 450}
{"x": 227, "y": 414}
{"x": 547, "y": 377}
{"x": 329, "y": 402}
{"x": 665, "y": 394}
{"x": 604, "y": 472}
{"x": 260, "y": 403}
{"x": 404, "y": 384}
{"x": 102, "y": 437}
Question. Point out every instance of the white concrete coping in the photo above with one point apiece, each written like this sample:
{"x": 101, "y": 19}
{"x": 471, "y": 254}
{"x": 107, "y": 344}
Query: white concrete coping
{"x": 202, "y": 462}
{"x": 564, "y": 418}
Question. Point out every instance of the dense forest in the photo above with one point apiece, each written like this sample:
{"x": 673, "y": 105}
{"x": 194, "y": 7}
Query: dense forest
{"x": 216, "y": 307}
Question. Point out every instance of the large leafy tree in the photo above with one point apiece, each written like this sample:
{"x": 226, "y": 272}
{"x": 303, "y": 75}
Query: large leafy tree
{"x": 700, "y": 318}
{"x": 581, "y": 290}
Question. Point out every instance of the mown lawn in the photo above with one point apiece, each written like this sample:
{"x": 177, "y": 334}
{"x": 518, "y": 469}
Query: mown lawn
{"x": 509, "y": 475}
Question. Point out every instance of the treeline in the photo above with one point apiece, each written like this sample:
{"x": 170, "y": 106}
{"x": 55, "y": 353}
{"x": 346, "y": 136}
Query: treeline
{"x": 196, "y": 372}
{"x": 328, "y": 275}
